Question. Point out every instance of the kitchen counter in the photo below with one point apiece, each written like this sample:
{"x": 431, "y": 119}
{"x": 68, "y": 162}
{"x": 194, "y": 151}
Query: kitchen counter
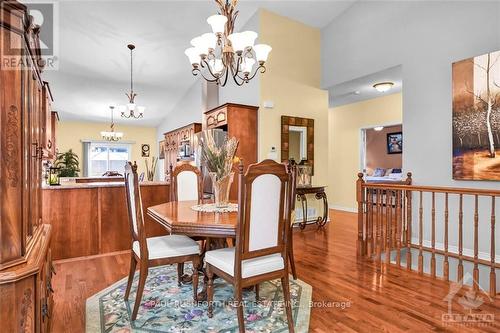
{"x": 92, "y": 218}
{"x": 73, "y": 185}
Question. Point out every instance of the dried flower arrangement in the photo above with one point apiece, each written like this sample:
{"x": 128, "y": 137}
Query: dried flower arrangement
{"x": 219, "y": 162}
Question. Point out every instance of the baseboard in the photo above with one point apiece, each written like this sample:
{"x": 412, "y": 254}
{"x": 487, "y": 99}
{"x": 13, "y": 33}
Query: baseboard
{"x": 345, "y": 209}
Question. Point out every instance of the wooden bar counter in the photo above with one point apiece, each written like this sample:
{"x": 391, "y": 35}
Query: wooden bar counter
{"x": 91, "y": 218}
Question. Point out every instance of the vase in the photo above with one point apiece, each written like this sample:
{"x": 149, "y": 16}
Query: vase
{"x": 221, "y": 188}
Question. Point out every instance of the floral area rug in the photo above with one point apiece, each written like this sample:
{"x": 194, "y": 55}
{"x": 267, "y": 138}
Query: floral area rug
{"x": 166, "y": 307}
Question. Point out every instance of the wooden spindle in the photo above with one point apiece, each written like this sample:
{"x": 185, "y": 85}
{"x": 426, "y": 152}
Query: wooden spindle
{"x": 446, "y": 265}
{"x": 460, "y": 239}
{"x": 388, "y": 208}
{"x": 360, "y": 195}
{"x": 398, "y": 228}
{"x": 493, "y": 279}
{"x": 433, "y": 237}
{"x": 420, "y": 234}
{"x": 408, "y": 225}
{"x": 369, "y": 231}
{"x": 475, "y": 273}
{"x": 378, "y": 239}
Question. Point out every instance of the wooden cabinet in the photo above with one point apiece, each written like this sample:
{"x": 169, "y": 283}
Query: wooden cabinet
{"x": 47, "y": 123}
{"x": 240, "y": 121}
{"x": 25, "y": 269}
{"x": 89, "y": 220}
{"x": 176, "y": 139}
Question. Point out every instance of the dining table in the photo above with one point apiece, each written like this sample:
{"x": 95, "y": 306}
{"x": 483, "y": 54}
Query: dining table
{"x": 215, "y": 228}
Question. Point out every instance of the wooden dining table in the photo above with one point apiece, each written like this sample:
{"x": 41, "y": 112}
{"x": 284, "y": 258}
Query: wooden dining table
{"x": 178, "y": 217}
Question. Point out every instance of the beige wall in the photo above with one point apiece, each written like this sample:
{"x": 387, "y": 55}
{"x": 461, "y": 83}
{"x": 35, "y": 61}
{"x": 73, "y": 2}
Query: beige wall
{"x": 292, "y": 82}
{"x": 376, "y": 149}
{"x": 70, "y": 133}
{"x": 344, "y": 131}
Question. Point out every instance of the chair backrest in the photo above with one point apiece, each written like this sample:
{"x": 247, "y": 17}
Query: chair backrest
{"x": 264, "y": 211}
{"x": 134, "y": 206}
{"x": 186, "y": 183}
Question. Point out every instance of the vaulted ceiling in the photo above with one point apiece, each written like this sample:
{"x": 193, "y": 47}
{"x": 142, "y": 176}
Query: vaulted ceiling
{"x": 94, "y": 64}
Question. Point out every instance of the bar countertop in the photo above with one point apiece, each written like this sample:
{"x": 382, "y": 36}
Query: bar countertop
{"x": 73, "y": 185}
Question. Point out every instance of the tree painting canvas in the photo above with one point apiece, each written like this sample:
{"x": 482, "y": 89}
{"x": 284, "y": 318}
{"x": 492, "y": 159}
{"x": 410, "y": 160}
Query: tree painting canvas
{"x": 476, "y": 118}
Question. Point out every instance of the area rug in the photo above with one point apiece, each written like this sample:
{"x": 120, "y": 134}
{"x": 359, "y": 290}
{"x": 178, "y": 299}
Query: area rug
{"x": 166, "y": 307}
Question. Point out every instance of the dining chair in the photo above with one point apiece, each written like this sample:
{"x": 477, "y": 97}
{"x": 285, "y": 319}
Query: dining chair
{"x": 260, "y": 254}
{"x": 293, "y": 170}
{"x": 154, "y": 251}
{"x": 186, "y": 183}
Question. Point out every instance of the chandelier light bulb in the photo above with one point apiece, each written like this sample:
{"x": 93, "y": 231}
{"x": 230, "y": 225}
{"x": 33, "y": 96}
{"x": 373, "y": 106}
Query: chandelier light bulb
{"x": 217, "y": 66}
{"x": 262, "y": 52}
{"x": 218, "y": 23}
{"x": 131, "y": 106}
{"x": 249, "y": 38}
{"x": 237, "y": 42}
{"x": 209, "y": 41}
{"x": 193, "y": 55}
{"x": 141, "y": 109}
{"x": 247, "y": 65}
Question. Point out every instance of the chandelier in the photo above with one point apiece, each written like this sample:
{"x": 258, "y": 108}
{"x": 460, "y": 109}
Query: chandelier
{"x": 223, "y": 53}
{"x": 131, "y": 110}
{"x": 112, "y": 135}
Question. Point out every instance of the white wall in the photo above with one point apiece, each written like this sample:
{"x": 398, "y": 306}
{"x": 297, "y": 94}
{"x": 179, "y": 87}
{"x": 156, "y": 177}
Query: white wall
{"x": 188, "y": 110}
{"x": 425, "y": 38}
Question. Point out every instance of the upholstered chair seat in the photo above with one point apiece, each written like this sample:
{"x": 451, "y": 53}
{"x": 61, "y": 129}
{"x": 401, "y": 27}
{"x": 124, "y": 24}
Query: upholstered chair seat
{"x": 168, "y": 246}
{"x": 223, "y": 259}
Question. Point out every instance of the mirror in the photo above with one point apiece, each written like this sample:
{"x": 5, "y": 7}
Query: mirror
{"x": 297, "y": 140}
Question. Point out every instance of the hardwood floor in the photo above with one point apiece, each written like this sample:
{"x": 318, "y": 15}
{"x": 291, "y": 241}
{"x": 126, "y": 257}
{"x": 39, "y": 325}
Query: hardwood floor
{"x": 348, "y": 295}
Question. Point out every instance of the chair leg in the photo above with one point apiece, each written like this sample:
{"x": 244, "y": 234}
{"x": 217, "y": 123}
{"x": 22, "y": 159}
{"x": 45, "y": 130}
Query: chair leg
{"x": 290, "y": 253}
{"x": 257, "y": 296}
{"x": 288, "y": 306}
{"x": 131, "y": 274}
{"x": 143, "y": 274}
{"x": 180, "y": 273}
{"x": 196, "y": 263}
{"x": 239, "y": 308}
{"x": 210, "y": 290}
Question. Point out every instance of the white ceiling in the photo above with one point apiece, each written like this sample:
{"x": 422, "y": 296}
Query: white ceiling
{"x": 94, "y": 61}
{"x": 361, "y": 89}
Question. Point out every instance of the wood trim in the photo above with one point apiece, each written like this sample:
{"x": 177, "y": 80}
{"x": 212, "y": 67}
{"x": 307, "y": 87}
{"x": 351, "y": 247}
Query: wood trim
{"x": 228, "y": 105}
{"x": 286, "y": 122}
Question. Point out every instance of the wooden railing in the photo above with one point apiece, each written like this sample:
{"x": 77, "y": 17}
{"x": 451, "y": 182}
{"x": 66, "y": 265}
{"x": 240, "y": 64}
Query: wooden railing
{"x": 388, "y": 212}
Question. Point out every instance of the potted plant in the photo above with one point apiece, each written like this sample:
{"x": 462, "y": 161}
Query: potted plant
{"x": 68, "y": 164}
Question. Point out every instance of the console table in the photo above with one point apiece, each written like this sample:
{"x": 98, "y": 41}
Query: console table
{"x": 320, "y": 194}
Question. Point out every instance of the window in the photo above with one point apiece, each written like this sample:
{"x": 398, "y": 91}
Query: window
{"x": 102, "y": 157}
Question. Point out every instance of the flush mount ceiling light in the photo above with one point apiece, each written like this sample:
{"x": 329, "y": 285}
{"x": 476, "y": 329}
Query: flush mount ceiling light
{"x": 223, "y": 53}
{"x": 378, "y": 128}
{"x": 131, "y": 110}
{"x": 112, "y": 135}
{"x": 383, "y": 86}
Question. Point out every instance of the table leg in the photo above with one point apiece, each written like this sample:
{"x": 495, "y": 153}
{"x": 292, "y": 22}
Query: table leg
{"x": 303, "y": 200}
{"x": 321, "y": 221}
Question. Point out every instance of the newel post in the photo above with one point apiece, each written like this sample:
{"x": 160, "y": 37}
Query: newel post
{"x": 360, "y": 198}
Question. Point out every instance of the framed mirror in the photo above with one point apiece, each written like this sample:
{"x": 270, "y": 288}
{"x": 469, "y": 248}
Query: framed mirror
{"x": 297, "y": 140}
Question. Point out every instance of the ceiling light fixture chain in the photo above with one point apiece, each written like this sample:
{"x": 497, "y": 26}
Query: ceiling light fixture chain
{"x": 216, "y": 56}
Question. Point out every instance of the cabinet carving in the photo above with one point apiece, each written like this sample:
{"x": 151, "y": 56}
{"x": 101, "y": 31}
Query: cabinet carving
{"x": 25, "y": 301}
